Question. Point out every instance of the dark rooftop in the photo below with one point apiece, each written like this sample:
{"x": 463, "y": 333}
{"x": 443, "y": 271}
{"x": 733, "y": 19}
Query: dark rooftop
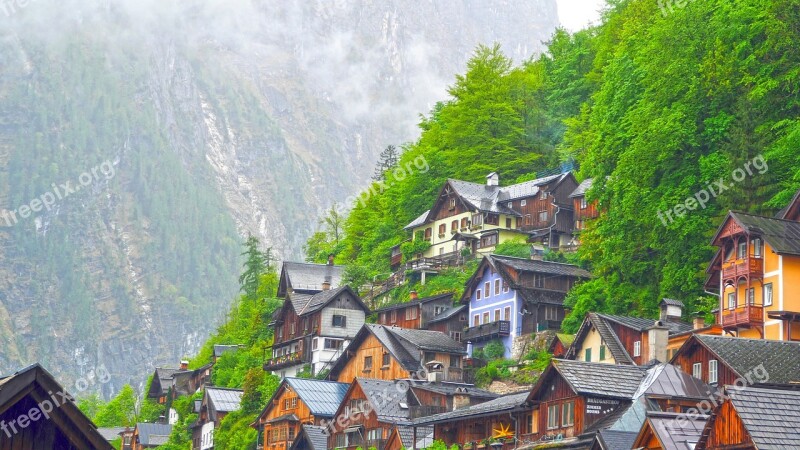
{"x": 780, "y": 360}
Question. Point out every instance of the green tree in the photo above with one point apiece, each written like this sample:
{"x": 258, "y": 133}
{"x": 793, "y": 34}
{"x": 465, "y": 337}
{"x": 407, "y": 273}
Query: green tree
{"x": 256, "y": 263}
{"x": 121, "y": 411}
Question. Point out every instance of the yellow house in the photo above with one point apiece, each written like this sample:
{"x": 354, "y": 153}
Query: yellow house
{"x": 479, "y": 217}
{"x": 756, "y": 272}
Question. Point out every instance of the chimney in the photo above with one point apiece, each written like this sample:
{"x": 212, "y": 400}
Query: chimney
{"x": 698, "y": 323}
{"x": 184, "y": 365}
{"x": 326, "y": 284}
{"x": 493, "y": 179}
{"x": 460, "y": 399}
{"x": 162, "y": 420}
{"x": 330, "y": 259}
{"x": 657, "y": 339}
{"x": 671, "y": 310}
{"x": 414, "y": 295}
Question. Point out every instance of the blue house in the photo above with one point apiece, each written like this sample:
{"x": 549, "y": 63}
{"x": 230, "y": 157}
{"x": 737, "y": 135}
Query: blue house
{"x": 510, "y": 297}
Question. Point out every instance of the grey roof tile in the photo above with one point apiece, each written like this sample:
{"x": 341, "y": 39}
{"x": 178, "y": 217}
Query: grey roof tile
{"x": 677, "y": 431}
{"x": 605, "y": 380}
{"x": 421, "y": 219}
{"x": 224, "y": 400}
{"x": 308, "y": 276}
{"x": 582, "y": 188}
{"x": 771, "y": 417}
{"x": 423, "y": 435}
{"x": 414, "y": 302}
{"x": 617, "y": 440}
{"x": 153, "y": 433}
{"x": 321, "y": 397}
{"x": 498, "y": 405}
{"x": 447, "y": 313}
{"x": 782, "y": 235}
{"x": 642, "y": 324}
{"x": 538, "y": 266}
{"x": 388, "y": 400}
{"x": 311, "y": 437}
{"x": 780, "y": 359}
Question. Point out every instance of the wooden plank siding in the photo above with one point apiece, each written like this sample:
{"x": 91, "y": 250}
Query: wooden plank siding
{"x": 628, "y": 336}
{"x": 371, "y": 347}
{"x": 397, "y": 317}
{"x": 272, "y": 436}
{"x": 696, "y": 353}
{"x": 368, "y": 421}
{"x": 728, "y": 431}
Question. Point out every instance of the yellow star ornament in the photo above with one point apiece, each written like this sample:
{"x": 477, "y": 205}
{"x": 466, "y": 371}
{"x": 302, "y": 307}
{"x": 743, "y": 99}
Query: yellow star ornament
{"x": 503, "y": 431}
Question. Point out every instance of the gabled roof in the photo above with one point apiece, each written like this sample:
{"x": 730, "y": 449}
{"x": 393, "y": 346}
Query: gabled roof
{"x": 595, "y": 379}
{"x": 404, "y": 344}
{"x": 603, "y": 324}
{"x": 674, "y": 431}
{"x": 311, "y": 437}
{"x": 153, "y": 434}
{"x": 418, "y": 301}
{"x": 485, "y": 198}
{"x": 34, "y": 384}
{"x": 304, "y": 304}
{"x": 406, "y": 436}
{"x": 492, "y": 407}
{"x": 223, "y": 399}
{"x": 321, "y": 397}
{"x": 308, "y": 277}
{"x": 771, "y": 417}
{"x": 162, "y": 381}
{"x": 580, "y": 191}
{"x": 782, "y": 235}
{"x": 790, "y": 211}
{"x": 451, "y": 389}
{"x": 448, "y": 313}
{"x": 780, "y": 359}
{"x": 616, "y": 440}
{"x": 384, "y": 397}
{"x": 669, "y": 381}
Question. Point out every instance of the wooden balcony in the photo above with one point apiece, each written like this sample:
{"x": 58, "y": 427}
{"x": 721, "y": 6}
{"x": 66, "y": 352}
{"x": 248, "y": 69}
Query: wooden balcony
{"x": 280, "y": 362}
{"x": 423, "y": 411}
{"x": 487, "y": 331}
{"x": 742, "y": 317}
{"x": 746, "y": 267}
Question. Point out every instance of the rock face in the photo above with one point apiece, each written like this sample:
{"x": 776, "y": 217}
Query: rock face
{"x": 196, "y": 124}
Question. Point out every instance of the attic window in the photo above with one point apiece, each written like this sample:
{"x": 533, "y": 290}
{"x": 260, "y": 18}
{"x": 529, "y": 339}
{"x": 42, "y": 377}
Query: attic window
{"x": 545, "y": 194}
{"x": 403, "y": 405}
{"x": 452, "y": 203}
{"x": 339, "y": 321}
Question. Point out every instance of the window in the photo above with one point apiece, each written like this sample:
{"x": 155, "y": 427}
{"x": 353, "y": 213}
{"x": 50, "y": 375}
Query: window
{"x": 314, "y": 343}
{"x": 486, "y": 317}
{"x": 454, "y": 226}
{"x": 583, "y": 203}
{"x": 455, "y": 361}
{"x": 383, "y": 318}
{"x": 411, "y": 313}
{"x": 462, "y": 318}
{"x": 538, "y": 280}
{"x": 637, "y": 348}
{"x": 375, "y": 434}
{"x": 742, "y": 250}
{"x": 552, "y": 417}
{"x": 290, "y": 403}
{"x": 568, "y": 414}
{"x": 478, "y": 294}
{"x": 751, "y": 296}
{"x": 523, "y": 202}
{"x": 367, "y": 363}
{"x": 394, "y": 316}
{"x": 430, "y": 356}
{"x": 476, "y": 320}
{"x": 697, "y": 370}
{"x": 507, "y": 313}
{"x": 505, "y": 286}
{"x": 542, "y": 216}
{"x": 487, "y": 289}
{"x": 493, "y": 219}
{"x": 428, "y": 233}
{"x": 497, "y": 315}
{"x": 533, "y": 422}
{"x": 341, "y": 440}
{"x": 731, "y": 300}
{"x": 339, "y": 321}
{"x": 437, "y": 310}
{"x": 528, "y": 219}
{"x": 545, "y": 194}
{"x": 442, "y": 229}
{"x": 757, "y": 250}
{"x": 455, "y": 335}
{"x": 550, "y": 312}
{"x": 385, "y": 360}
{"x": 488, "y": 240}
{"x": 497, "y": 287}
{"x": 712, "y": 371}
{"x": 464, "y": 223}
{"x": 587, "y": 355}
{"x": 602, "y": 352}
{"x": 477, "y": 220}
{"x": 508, "y": 222}
{"x": 768, "y": 294}
{"x": 452, "y": 203}
{"x": 332, "y": 344}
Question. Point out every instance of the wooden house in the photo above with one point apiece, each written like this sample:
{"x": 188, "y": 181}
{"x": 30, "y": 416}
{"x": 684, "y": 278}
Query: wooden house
{"x": 298, "y": 403}
{"x": 478, "y": 217}
{"x": 168, "y": 384}
{"x": 308, "y": 278}
{"x": 510, "y": 297}
{"x": 584, "y": 210}
{"x": 371, "y": 409}
{"x": 314, "y": 329}
{"x": 403, "y": 438}
{"x": 391, "y": 353}
{"x": 755, "y": 273}
{"x": 415, "y": 313}
{"x": 726, "y": 361}
{"x": 614, "y": 339}
{"x": 215, "y": 405}
{"x": 670, "y": 431}
{"x": 559, "y": 344}
{"x": 36, "y": 413}
{"x": 150, "y": 435}
{"x": 752, "y": 419}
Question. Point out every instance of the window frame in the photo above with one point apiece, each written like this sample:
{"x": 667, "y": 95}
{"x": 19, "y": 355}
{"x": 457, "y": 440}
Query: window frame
{"x": 487, "y": 289}
{"x": 568, "y": 407}
{"x": 486, "y": 317}
{"x": 587, "y": 354}
{"x": 713, "y": 371}
{"x": 553, "y": 419}
{"x": 764, "y": 296}
{"x": 507, "y": 314}
{"x": 732, "y": 300}
{"x": 697, "y": 370}
{"x": 637, "y": 349}
{"x": 342, "y": 321}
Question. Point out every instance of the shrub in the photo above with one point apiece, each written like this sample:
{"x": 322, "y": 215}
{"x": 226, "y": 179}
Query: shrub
{"x": 494, "y": 350}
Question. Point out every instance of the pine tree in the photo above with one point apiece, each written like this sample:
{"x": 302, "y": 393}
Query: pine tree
{"x": 256, "y": 264}
{"x": 386, "y": 161}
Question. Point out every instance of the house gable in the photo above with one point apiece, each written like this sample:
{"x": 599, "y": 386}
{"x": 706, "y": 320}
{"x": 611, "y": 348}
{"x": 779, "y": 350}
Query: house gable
{"x": 355, "y": 363}
{"x": 726, "y": 430}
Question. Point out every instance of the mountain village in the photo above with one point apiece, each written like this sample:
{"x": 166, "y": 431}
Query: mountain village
{"x": 360, "y": 373}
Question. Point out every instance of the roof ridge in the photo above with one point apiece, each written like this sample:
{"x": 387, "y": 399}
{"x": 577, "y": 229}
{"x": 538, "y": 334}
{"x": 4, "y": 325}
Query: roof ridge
{"x": 777, "y": 219}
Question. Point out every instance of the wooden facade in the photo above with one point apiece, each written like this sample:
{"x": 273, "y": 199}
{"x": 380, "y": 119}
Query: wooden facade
{"x": 372, "y": 348}
{"x": 693, "y": 353}
{"x": 362, "y": 427}
{"x": 727, "y": 431}
{"x": 282, "y": 418}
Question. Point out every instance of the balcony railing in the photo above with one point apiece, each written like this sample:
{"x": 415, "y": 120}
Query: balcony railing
{"x": 487, "y": 331}
{"x": 742, "y": 316}
{"x": 424, "y": 411}
{"x": 280, "y": 362}
{"x": 750, "y": 266}
{"x": 378, "y": 444}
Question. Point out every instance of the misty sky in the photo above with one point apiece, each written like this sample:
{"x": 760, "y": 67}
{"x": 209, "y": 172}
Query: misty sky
{"x": 577, "y": 14}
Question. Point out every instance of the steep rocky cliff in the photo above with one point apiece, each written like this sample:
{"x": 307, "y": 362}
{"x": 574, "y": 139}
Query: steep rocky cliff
{"x": 183, "y": 128}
